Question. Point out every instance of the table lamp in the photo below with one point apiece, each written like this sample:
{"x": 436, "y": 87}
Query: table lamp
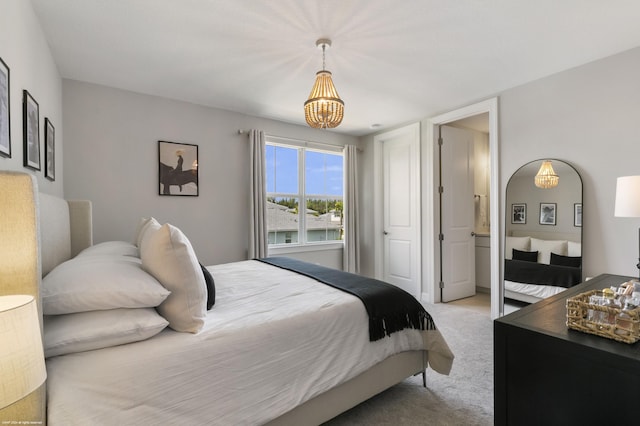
{"x": 20, "y": 274}
{"x": 628, "y": 201}
{"x": 22, "y": 368}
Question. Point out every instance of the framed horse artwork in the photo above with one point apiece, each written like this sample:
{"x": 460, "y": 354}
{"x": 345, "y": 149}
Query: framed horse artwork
{"x": 177, "y": 169}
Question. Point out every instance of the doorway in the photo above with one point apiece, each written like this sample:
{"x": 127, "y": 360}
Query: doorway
{"x": 431, "y": 204}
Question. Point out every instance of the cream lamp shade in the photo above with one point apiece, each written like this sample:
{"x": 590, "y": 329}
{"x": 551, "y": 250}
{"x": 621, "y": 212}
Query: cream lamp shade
{"x": 628, "y": 196}
{"x": 22, "y": 368}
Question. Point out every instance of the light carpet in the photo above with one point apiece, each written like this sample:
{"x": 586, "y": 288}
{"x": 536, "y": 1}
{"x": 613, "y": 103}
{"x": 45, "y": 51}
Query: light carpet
{"x": 465, "y": 397}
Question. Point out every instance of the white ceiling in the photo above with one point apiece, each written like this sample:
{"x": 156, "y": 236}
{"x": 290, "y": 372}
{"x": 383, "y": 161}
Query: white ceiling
{"x": 393, "y": 62}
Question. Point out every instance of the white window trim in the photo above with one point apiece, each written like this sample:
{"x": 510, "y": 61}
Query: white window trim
{"x": 301, "y": 248}
{"x": 299, "y": 143}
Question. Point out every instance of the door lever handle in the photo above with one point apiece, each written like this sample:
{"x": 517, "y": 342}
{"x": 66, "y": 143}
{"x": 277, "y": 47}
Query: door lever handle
{"x": 385, "y": 232}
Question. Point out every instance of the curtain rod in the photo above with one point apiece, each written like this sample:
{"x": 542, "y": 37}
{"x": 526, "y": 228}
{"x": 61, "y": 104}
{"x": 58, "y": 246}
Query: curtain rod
{"x": 320, "y": 144}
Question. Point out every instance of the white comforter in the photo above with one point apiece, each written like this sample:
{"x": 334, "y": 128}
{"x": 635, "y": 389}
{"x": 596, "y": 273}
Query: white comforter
{"x": 533, "y": 290}
{"x": 273, "y": 340}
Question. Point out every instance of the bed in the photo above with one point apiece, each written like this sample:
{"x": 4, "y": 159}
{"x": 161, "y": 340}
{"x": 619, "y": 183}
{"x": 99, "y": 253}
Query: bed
{"x": 276, "y": 347}
{"x": 540, "y": 265}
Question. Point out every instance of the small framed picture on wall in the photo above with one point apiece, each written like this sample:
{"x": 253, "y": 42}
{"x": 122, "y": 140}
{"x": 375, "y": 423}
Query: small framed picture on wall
{"x": 31, "y": 131}
{"x": 547, "y": 213}
{"x": 577, "y": 214}
{"x": 519, "y": 213}
{"x": 49, "y": 150}
{"x": 178, "y": 169}
{"x": 5, "y": 117}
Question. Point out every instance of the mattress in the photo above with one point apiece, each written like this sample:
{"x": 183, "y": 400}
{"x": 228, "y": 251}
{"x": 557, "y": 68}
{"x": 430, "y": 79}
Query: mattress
{"x": 273, "y": 340}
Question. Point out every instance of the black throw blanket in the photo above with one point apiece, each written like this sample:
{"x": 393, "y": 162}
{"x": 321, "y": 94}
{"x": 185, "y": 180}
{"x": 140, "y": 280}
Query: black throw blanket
{"x": 521, "y": 271}
{"x": 390, "y": 308}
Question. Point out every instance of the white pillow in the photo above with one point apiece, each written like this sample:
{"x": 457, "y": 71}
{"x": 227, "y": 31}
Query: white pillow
{"x": 574, "y": 249}
{"x": 114, "y": 248}
{"x": 518, "y": 243}
{"x": 141, "y": 227}
{"x": 167, "y": 254}
{"x": 150, "y": 227}
{"x": 84, "y": 331}
{"x": 545, "y": 247}
{"x": 90, "y": 283}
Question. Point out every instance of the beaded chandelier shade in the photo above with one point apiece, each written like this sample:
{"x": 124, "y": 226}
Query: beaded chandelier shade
{"x": 546, "y": 177}
{"x": 324, "y": 108}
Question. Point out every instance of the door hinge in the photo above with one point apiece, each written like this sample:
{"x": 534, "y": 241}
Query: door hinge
{"x": 440, "y": 142}
{"x": 441, "y": 237}
{"x": 441, "y": 189}
{"x": 441, "y": 284}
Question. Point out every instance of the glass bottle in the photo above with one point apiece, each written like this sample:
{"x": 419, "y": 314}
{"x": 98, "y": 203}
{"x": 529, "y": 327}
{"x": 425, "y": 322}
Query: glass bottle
{"x": 610, "y": 302}
{"x": 624, "y": 323}
{"x": 592, "y": 314}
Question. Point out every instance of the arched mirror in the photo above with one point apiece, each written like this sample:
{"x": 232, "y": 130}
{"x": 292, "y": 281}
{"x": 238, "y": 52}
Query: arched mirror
{"x": 543, "y": 232}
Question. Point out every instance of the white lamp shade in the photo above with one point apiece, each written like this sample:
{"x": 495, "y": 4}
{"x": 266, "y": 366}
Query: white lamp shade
{"x": 22, "y": 368}
{"x": 628, "y": 196}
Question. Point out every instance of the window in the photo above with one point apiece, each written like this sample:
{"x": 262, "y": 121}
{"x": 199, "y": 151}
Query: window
{"x": 302, "y": 176}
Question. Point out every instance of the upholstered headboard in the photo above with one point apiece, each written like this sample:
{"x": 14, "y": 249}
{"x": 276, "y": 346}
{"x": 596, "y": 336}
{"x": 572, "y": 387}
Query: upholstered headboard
{"x": 569, "y": 236}
{"x": 564, "y": 244}
{"x": 65, "y": 229}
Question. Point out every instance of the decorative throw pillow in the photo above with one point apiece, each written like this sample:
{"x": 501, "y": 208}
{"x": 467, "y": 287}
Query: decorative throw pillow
{"x": 557, "y": 259}
{"x": 211, "y": 287}
{"x": 137, "y": 235}
{"x": 574, "y": 249}
{"x": 167, "y": 254}
{"x": 144, "y": 224}
{"x": 545, "y": 247}
{"x": 85, "y": 331}
{"x": 518, "y": 243}
{"x": 89, "y": 283}
{"x": 528, "y": 256}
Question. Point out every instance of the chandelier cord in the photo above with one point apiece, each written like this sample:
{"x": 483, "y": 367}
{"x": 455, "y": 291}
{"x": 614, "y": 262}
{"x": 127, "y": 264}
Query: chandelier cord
{"x": 323, "y": 63}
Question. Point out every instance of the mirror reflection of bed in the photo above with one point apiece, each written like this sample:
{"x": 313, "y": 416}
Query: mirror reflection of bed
{"x": 543, "y": 234}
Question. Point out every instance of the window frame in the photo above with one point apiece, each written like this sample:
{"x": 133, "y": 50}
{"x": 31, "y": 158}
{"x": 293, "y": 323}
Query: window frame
{"x": 302, "y": 148}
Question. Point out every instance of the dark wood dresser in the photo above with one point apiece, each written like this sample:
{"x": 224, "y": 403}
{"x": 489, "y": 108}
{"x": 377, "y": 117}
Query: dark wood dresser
{"x": 548, "y": 374}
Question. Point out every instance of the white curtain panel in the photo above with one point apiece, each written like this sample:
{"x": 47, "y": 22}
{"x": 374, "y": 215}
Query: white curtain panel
{"x": 258, "y": 203}
{"x": 351, "y": 261}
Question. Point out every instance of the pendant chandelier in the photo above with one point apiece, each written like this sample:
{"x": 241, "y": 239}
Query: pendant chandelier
{"x": 324, "y": 108}
{"x": 546, "y": 177}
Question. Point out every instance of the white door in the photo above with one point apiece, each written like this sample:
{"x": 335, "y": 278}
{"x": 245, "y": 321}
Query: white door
{"x": 458, "y": 244}
{"x": 401, "y": 208}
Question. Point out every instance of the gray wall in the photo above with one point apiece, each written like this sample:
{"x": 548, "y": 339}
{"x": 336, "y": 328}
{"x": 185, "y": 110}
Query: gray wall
{"x": 111, "y": 154}
{"x": 112, "y": 159}
{"x": 24, "y": 49}
{"x": 587, "y": 116}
